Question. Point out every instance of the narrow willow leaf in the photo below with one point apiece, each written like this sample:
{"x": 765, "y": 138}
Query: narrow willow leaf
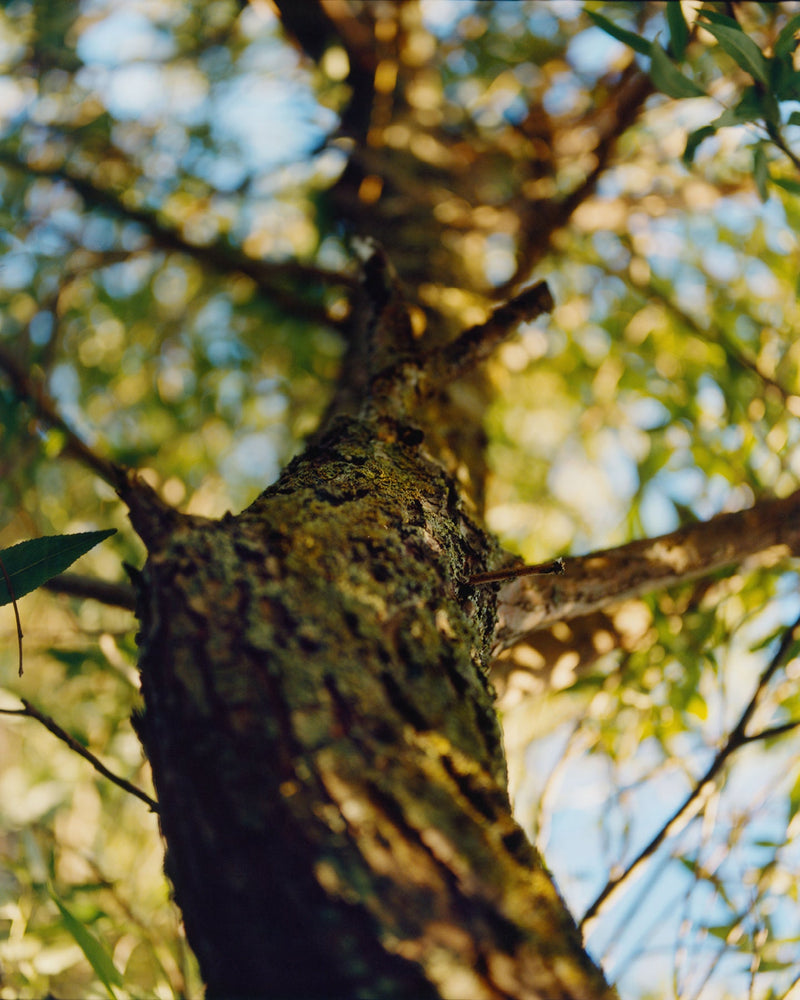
{"x": 29, "y": 564}
{"x": 742, "y": 49}
{"x": 787, "y": 183}
{"x": 761, "y": 172}
{"x": 678, "y": 30}
{"x": 794, "y": 118}
{"x": 786, "y": 42}
{"x": 96, "y": 955}
{"x": 636, "y": 42}
{"x": 722, "y": 19}
{"x": 784, "y": 79}
{"x": 668, "y": 78}
{"x": 694, "y": 139}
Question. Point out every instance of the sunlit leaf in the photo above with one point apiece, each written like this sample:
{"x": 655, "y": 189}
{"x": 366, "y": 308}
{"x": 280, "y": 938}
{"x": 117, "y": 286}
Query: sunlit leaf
{"x": 741, "y": 48}
{"x": 761, "y": 172}
{"x": 787, "y": 183}
{"x": 678, "y": 30}
{"x": 31, "y": 563}
{"x": 786, "y": 42}
{"x": 668, "y": 78}
{"x": 635, "y": 42}
{"x": 749, "y": 108}
{"x": 794, "y": 798}
{"x": 722, "y": 931}
{"x": 93, "y": 950}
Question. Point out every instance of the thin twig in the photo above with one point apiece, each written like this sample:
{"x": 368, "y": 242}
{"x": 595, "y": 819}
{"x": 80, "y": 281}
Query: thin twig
{"x": 772, "y": 732}
{"x": 694, "y": 800}
{"x": 61, "y": 734}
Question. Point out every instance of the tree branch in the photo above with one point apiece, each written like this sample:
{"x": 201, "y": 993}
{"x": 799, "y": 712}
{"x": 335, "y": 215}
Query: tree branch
{"x": 50, "y": 724}
{"x": 543, "y": 218}
{"x": 594, "y": 581}
{"x": 118, "y": 595}
{"x": 476, "y": 344}
{"x": 271, "y": 277}
{"x": 150, "y": 515}
{"x": 694, "y": 801}
{"x": 45, "y": 409}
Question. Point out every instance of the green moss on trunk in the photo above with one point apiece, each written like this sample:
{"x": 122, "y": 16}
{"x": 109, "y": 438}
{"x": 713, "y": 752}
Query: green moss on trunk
{"x": 325, "y": 748}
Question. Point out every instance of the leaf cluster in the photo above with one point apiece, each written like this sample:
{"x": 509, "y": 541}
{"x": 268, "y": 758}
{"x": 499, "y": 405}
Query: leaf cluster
{"x": 775, "y": 80}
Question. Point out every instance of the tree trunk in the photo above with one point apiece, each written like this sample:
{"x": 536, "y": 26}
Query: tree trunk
{"x": 321, "y": 729}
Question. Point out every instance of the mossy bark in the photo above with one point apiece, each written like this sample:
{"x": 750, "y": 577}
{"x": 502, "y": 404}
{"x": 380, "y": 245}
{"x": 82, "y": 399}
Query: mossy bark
{"x": 324, "y": 744}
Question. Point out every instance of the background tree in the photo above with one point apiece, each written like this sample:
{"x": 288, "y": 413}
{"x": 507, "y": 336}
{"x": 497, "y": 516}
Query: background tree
{"x": 180, "y": 186}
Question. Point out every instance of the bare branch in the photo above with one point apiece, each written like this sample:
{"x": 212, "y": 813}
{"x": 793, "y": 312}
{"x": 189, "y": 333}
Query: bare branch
{"x": 694, "y": 801}
{"x": 50, "y": 724}
{"x": 773, "y": 731}
{"x": 477, "y": 343}
{"x": 595, "y": 581}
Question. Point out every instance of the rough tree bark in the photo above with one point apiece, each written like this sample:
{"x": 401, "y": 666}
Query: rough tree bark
{"x": 319, "y": 721}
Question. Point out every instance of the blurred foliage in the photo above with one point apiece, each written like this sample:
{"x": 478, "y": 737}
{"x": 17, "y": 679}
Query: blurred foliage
{"x": 165, "y": 165}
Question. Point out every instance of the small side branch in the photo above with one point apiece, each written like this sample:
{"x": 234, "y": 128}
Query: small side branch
{"x": 694, "y": 801}
{"x": 117, "y": 595}
{"x": 52, "y": 726}
{"x": 477, "y": 343}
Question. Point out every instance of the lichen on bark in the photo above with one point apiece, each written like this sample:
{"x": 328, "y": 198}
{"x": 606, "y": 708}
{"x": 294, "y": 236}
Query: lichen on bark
{"x": 323, "y": 738}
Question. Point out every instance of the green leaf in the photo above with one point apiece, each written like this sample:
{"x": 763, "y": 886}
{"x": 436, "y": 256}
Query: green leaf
{"x": 722, "y": 931}
{"x": 636, "y": 42}
{"x": 668, "y": 78}
{"x": 678, "y": 30}
{"x": 787, "y": 183}
{"x": 761, "y": 172}
{"x": 749, "y": 109}
{"x": 786, "y": 42}
{"x": 96, "y": 955}
{"x": 784, "y": 79}
{"x": 742, "y": 49}
{"x": 694, "y": 139}
{"x": 723, "y": 19}
{"x": 794, "y": 118}
{"x": 29, "y": 564}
